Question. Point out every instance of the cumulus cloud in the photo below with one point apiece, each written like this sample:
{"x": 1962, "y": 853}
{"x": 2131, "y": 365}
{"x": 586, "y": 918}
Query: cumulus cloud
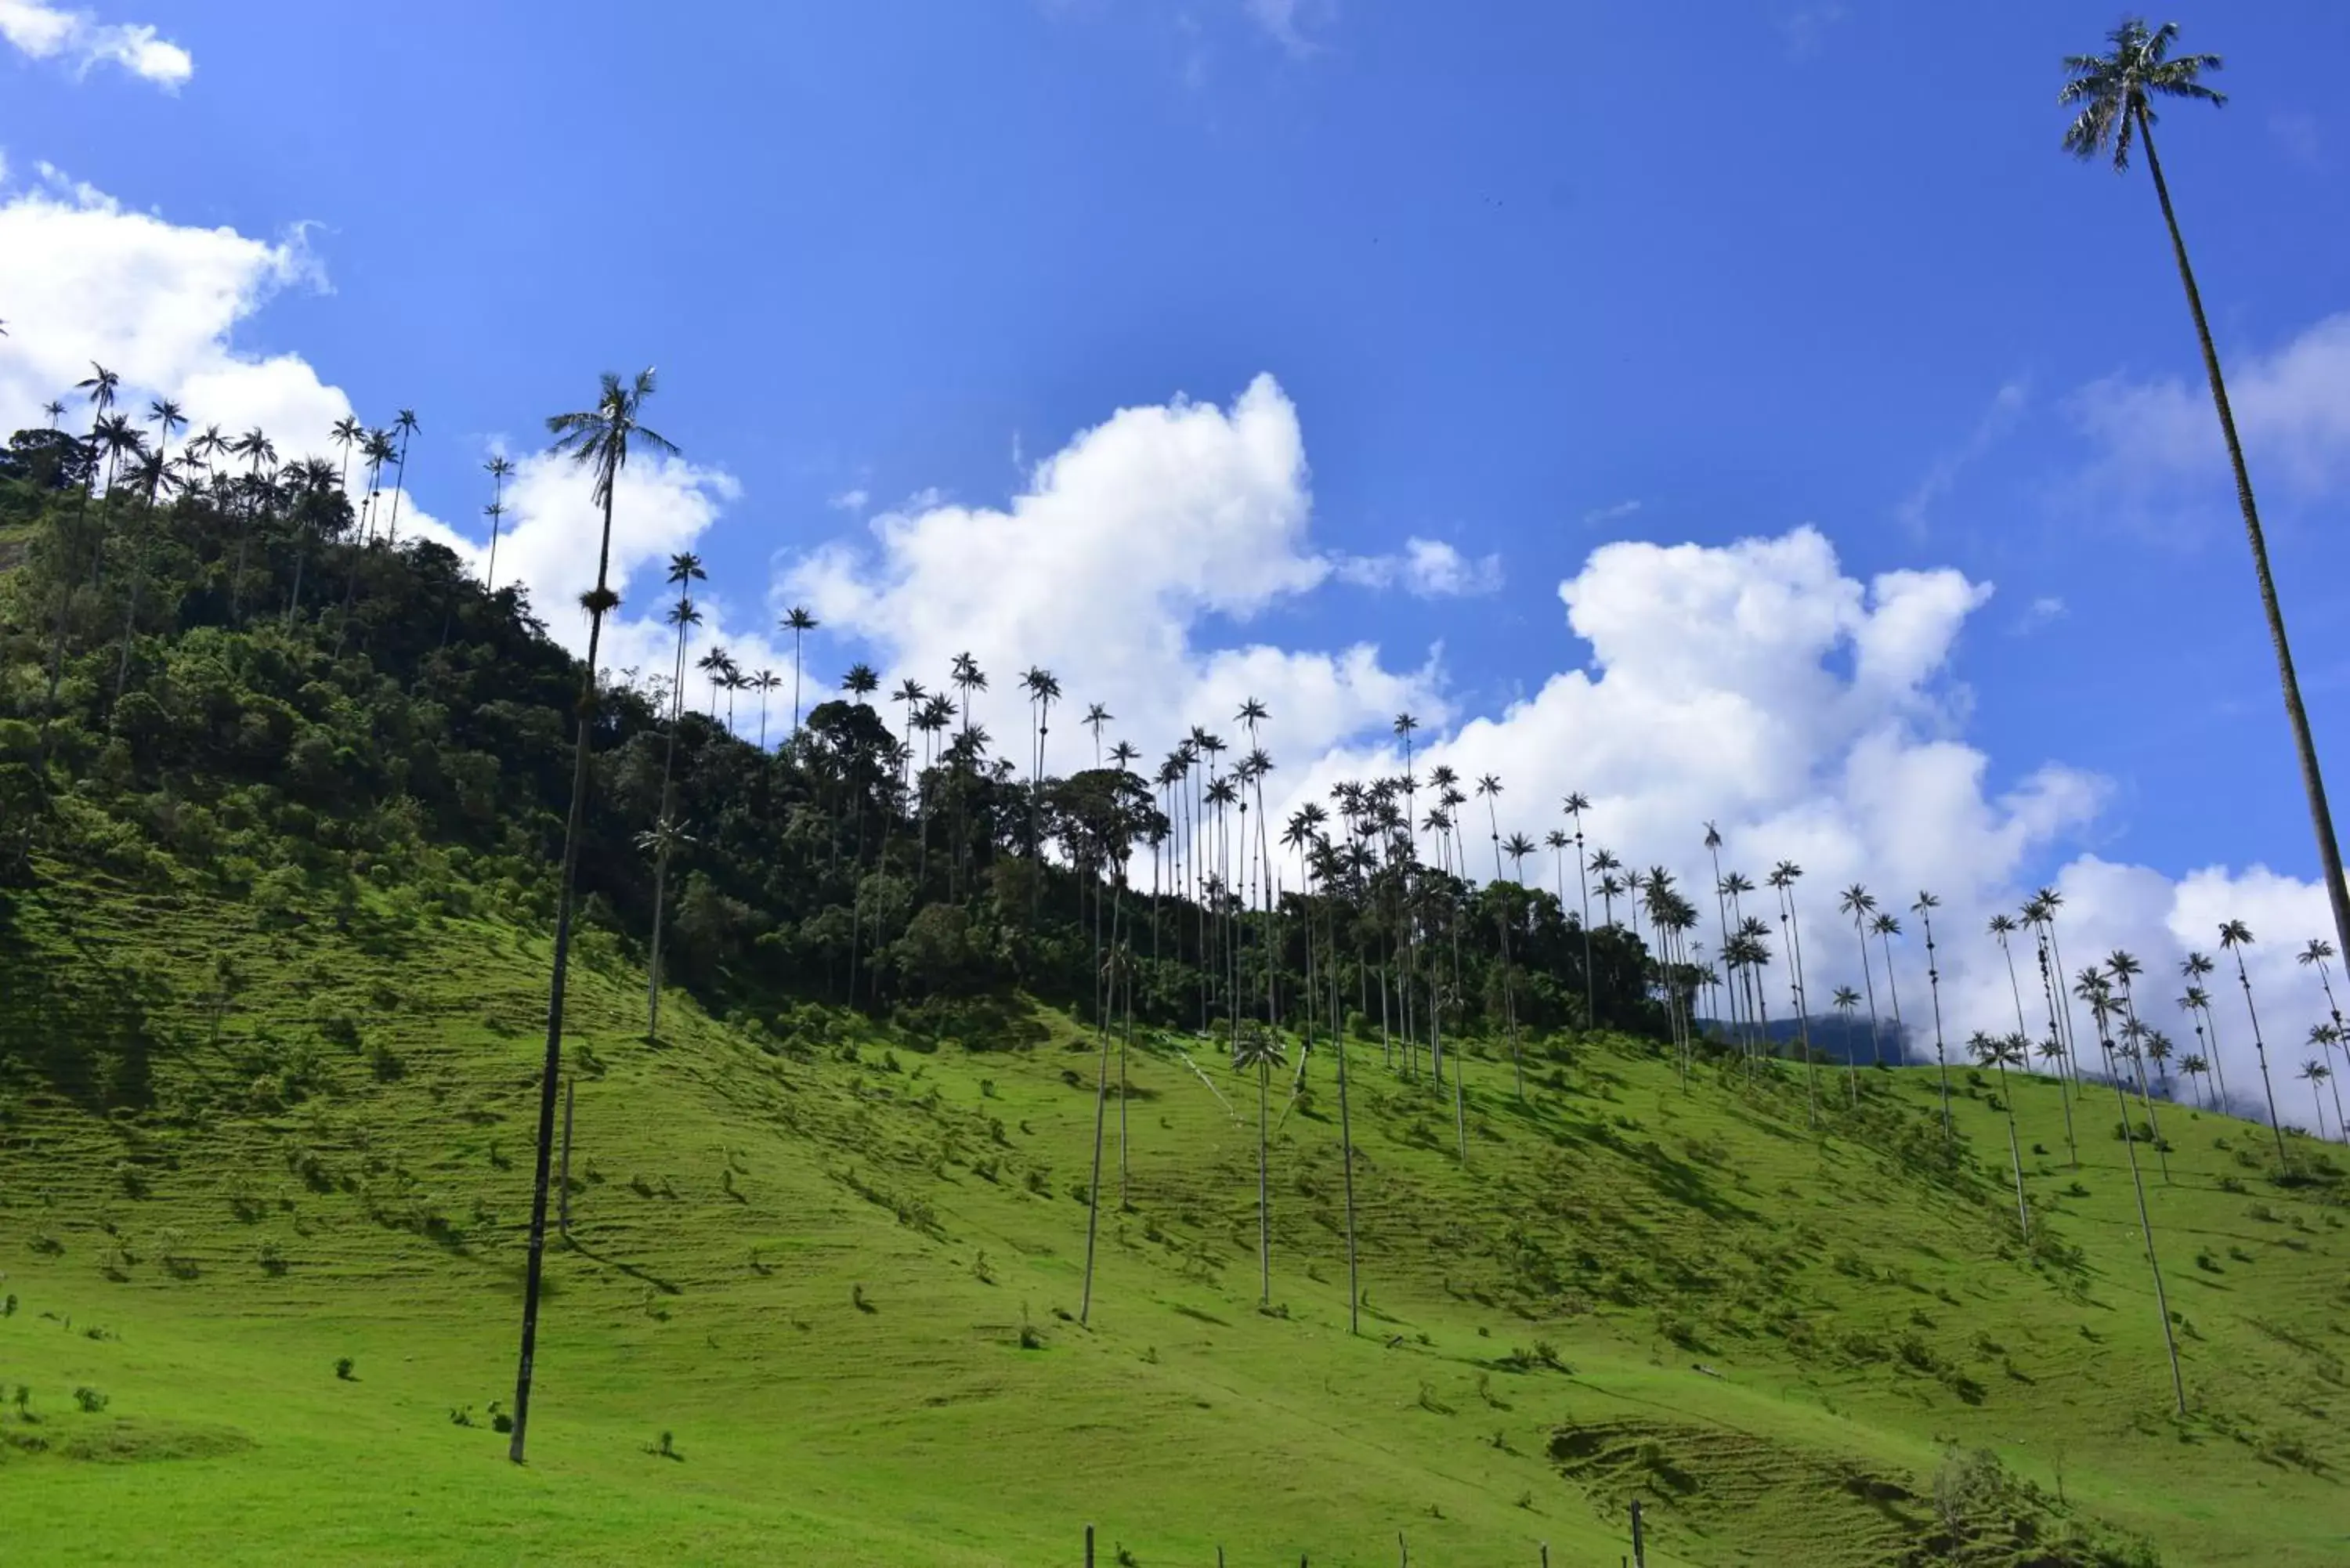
{"x": 80, "y": 40}
{"x": 1105, "y": 569}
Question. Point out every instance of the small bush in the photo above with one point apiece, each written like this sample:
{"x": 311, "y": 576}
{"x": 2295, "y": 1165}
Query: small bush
{"x": 862, "y": 1303}
{"x": 271, "y": 1259}
{"x": 90, "y": 1400}
{"x": 345, "y": 1367}
{"x": 461, "y": 1415}
{"x": 1030, "y": 1339}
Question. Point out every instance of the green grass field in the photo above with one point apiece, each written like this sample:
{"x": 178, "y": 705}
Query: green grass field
{"x": 832, "y": 1274}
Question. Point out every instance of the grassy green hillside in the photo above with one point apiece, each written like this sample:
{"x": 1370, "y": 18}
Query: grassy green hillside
{"x": 817, "y": 1304}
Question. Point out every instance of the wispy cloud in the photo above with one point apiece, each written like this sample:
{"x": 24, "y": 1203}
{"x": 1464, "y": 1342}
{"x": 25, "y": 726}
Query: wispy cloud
{"x": 2296, "y": 131}
{"x": 851, "y": 500}
{"x": 1286, "y": 22}
{"x": 1917, "y": 507}
{"x": 2291, "y": 406}
{"x": 80, "y": 40}
{"x": 2040, "y": 612}
{"x": 1425, "y": 568}
{"x": 1600, "y": 515}
{"x": 1806, "y": 28}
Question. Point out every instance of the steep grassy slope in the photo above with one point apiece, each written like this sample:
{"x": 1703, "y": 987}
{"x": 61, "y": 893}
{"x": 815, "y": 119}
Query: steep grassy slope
{"x": 833, "y": 1270}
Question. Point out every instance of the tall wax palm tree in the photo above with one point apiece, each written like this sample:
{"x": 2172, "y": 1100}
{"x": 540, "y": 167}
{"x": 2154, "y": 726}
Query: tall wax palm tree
{"x": 764, "y": 682}
{"x": 1856, "y": 901}
{"x": 2194, "y": 1067}
{"x": 2195, "y": 969}
{"x": 1886, "y": 927}
{"x": 1260, "y": 1049}
{"x": 600, "y": 439}
{"x": 2235, "y": 937}
{"x": 255, "y": 449}
{"x": 910, "y": 692}
{"x": 685, "y": 569}
{"x": 165, "y": 416}
{"x": 500, "y": 468}
{"x": 2315, "y": 1072}
{"x": 1097, "y": 716}
{"x": 405, "y": 423}
{"x": 799, "y": 623}
{"x": 2102, "y": 1007}
{"x": 967, "y": 678}
{"x": 1605, "y": 862}
{"x": 1721, "y": 902}
{"x": 2328, "y": 1038}
{"x": 713, "y": 664}
{"x": 2115, "y": 93}
{"x": 2124, "y": 968}
{"x": 1996, "y": 1050}
{"x": 1924, "y": 910}
{"x": 55, "y": 407}
{"x": 99, "y": 387}
{"x": 1575, "y": 806}
{"x": 2318, "y": 955}
{"x": 1783, "y": 877}
{"x": 1845, "y": 1001}
{"x": 2002, "y": 926}
{"x": 346, "y": 435}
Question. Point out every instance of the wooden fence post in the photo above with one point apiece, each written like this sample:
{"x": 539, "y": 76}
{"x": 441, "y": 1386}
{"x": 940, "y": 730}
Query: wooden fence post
{"x": 1089, "y": 1546}
{"x": 1405, "y": 1546}
{"x": 1639, "y": 1552}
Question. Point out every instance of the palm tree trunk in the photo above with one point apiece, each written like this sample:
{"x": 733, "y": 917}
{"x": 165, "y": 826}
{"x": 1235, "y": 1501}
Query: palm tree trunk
{"x": 1101, "y": 1106}
{"x": 2260, "y": 1051}
{"x": 2146, "y": 1229}
{"x": 573, "y": 831}
{"x": 2312, "y": 784}
{"x": 1264, "y": 1193}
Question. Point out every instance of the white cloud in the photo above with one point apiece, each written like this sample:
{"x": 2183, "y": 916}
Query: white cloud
{"x": 2040, "y": 612}
{"x": 1942, "y": 477}
{"x": 82, "y": 41}
{"x": 1285, "y": 21}
{"x": 852, "y": 500}
{"x": 1806, "y": 28}
{"x": 1105, "y": 567}
{"x": 84, "y": 280}
{"x": 1600, "y": 515}
{"x": 2292, "y": 412}
{"x": 1428, "y": 568}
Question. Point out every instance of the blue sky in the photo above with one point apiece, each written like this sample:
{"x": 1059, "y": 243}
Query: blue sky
{"x": 1534, "y": 284}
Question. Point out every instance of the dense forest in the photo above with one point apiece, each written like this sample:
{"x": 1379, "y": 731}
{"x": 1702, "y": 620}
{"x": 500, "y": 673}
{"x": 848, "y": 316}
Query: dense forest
{"x": 239, "y": 666}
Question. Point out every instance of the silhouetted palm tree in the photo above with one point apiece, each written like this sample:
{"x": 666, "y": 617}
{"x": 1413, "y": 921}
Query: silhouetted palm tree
{"x": 799, "y": 623}
{"x": 1856, "y": 901}
{"x": 600, "y": 439}
{"x": 499, "y": 469}
{"x": 2235, "y": 937}
{"x": 405, "y": 423}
